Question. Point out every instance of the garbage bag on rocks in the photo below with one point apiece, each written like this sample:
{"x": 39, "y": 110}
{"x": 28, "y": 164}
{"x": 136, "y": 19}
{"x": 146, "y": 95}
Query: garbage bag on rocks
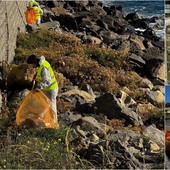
{"x": 36, "y": 111}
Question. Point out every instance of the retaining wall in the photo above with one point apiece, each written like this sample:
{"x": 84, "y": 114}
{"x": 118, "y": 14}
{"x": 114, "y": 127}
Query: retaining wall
{"x": 12, "y": 21}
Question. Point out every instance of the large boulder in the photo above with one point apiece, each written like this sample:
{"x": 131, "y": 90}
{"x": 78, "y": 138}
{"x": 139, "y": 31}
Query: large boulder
{"x": 155, "y": 97}
{"x": 140, "y": 23}
{"x": 155, "y": 134}
{"x": 133, "y": 16}
{"x": 154, "y": 58}
{"x": 115, "y": 24}
{"x": 110, "y": 106}
{"x": 145, "y": 83}
{"x": 136, "y": 61}
{"x": 108, "y": 36}
{"x": 76, "y": 95}
{"x": 89, "y": 25}
{"x": 77, "y": 3}
{"x": 150, "y": 34}
{"x": 138, "y": 40}
{"x": 93, "y": 13}
{"x": 161, "y": 72}
{"x": 126, "y": 100}
{"x": 54, "y": 3}
{"x": 67, "y": 20}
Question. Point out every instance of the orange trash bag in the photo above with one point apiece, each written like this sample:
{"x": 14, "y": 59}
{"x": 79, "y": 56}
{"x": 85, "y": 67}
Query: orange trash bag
{"x": 30, "y": 16}
{"x": 36, "y": 111}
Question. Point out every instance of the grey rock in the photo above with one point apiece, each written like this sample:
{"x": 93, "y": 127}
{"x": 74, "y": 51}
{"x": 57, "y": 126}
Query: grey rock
{"x": 146, "y": 83}
{"x": 155, "y": 134}
{"x": 133, "y": 16}
{"x": 110, "y": 106}
{"x": 69, "y": 117}
{"x": 136, "y": 60}
{"x": 88, "y": 89}
{"x": 155, "y": 97}
{"x": 126, "y": 100}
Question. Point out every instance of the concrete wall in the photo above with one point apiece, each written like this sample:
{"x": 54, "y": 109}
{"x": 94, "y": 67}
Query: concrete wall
{"x": 12, "y": 20}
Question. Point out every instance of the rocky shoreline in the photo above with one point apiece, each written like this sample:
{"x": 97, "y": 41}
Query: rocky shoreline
{"x": 112, "y": 129}
{"x": 94, "y": 23}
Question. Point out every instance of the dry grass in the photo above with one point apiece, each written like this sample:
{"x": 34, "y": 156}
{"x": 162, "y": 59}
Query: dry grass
{"x": 83, "y": 64}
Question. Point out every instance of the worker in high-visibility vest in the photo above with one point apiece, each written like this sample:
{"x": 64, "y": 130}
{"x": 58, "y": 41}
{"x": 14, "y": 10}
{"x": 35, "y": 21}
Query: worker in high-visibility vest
{"x": 45, "y": 79}
{"x": 32, "y": 3}
{"x": 38, "y": 13}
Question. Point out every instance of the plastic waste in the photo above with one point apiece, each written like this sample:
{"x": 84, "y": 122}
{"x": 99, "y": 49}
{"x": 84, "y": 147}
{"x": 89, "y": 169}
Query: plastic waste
{"x": 36, "y": 111}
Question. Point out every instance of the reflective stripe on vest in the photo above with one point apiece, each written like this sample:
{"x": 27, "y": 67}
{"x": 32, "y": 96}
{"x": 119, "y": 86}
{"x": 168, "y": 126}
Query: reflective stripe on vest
{"x": 54, "y": 83}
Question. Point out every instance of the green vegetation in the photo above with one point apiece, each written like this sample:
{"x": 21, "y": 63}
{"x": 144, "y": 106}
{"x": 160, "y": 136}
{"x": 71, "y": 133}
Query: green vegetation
{"x": 39, "y": 149}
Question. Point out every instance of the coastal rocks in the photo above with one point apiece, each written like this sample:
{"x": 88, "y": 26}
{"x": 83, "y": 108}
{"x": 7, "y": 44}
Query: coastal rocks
{"x": 145, "y": 83}
{"x": 140, "y": 23}
{"x": 133, "y": 16}
{"x": 54, "y": 3}
{"x": 91, "y": 122}
{"x": 136, "y": 61}
{"x": 131, "y": 149}
{"x": 145, "y": 110}
{"x": 67, "y": 20}
{"x": 150, "y": 34}
{"x": 126, "y": 100}
{"x": 161, "y": 72}
{"x": 122, "y": 154}
{"x": 77, "y": 95}
{"x": 86, "y": 112}
{"x": 154, "y": 146}
{"x": 110, "y": 106}
{"x": 54, "y": 26}
{"x": 107, "y": 26}
{"x": 154, "y": 59}
{"x": 155, "y": 97}
{"x": 93, "y": 40}
{"x": 138, "y": 41}
{"x": 50, "y": 25}
{"x": 155, "y": 134}
{"x": 69, "y": 117}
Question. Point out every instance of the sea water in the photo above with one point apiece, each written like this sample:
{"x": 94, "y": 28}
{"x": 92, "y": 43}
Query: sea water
{"x": 145, "y": 8}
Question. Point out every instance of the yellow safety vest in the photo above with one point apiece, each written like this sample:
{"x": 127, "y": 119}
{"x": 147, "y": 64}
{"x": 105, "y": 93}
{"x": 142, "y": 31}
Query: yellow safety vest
{"x": 54, "y": 83}
{"x": 37, "y": 12}
{"x": 32, "y": 3}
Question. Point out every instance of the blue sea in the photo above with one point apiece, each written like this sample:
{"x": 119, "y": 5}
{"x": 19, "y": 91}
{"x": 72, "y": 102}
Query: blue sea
{"x": 145, "y": 8}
